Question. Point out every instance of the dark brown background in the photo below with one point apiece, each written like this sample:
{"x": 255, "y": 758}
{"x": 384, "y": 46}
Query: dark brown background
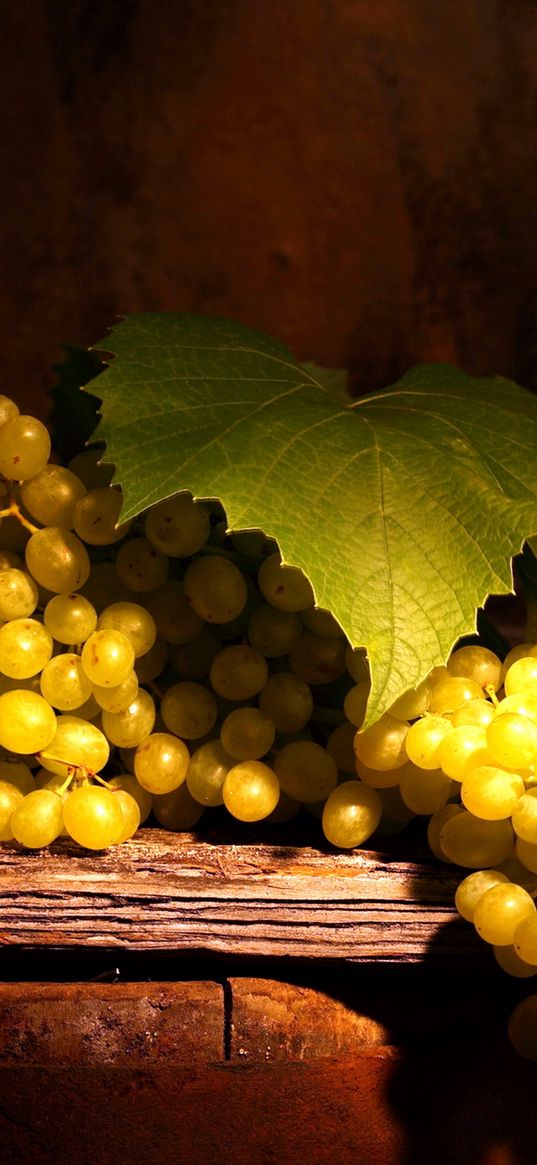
{"x": 357, "y": 178}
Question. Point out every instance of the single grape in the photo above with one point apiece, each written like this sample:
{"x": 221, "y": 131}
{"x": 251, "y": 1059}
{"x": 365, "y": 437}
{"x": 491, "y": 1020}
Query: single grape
{"x": 96, "y": 514}
{"x": 423, "y": 740}
{"x": 161, "y": 762}
{"x": 435, "y": 827}
{"x": 305, "y": 771}
{"x": 24, "y": 447}
{"x": 272, "y": 632}
{"x": 356, "y": 663}
{"x": 463, "y": 749}
{"x": 450, "y": 692}
{"x": 93, "y": 816}
{"x": 178, "y": 526}
{"x": 76, "y": 744}
{"x": 511, "y": 740}
{"x": 38, "y": 819}
{"x": 521, "y": 676}
{"x": 499, "y": 912}
{"x": 91, "y": 469}
{"x": 317, "y": 659}
{"x": 512, "y": 964}
{"x": 238, "y": 672}
{"x": 25, "y": 648}
{"x": 188, "y": 710}
{"x": 469, "y": 841}
{"x": 412, "y": 703}
{"x": 251, "y": 790}
{"x": 351, "y": 814}
{"x": 131, "y": 814}
{"x": 476, "y": 663}
{"x": 135, "y": 622}
{"x": 207, "y": 771}
{"x": 383, "y": 745}
{"x": 51, "y": 496}
{"x": 284, "y": 586}
{"x": 70, "y": 619}
{"x": 322, "y": 622}
{"x": 425, "y": 791}
{"x": 471, "y": 890}
{"x": 247, "y": 734}
{"x": 107, "y": 658}
{"x": 355, "y": 702}
{"x": 57, "y": 559}
{"x": 17, "y": 773}
{"x": 8, "y": 409}
{"x": 140, "y": 567}
{"x": 215, "y": 588}
{"x": 119, "y": 698}
{"x": 127, "y": 729}
{"x": 27, "y": 722}
{"x": 18, "y": 594}
{"x": 287, "y": 701}
{"x": 491, "y": 792}
{"x": 64, "y": 683}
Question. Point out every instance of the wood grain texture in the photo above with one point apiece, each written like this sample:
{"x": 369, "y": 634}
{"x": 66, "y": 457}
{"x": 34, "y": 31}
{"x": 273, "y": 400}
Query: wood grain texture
{"x": 165, "y": 892}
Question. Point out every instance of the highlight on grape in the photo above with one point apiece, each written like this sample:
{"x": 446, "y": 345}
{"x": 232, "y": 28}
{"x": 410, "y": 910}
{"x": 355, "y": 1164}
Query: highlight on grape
{"x": 167, "y": 666}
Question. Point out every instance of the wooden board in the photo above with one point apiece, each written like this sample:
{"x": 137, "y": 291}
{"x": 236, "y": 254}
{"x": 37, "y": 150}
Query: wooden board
{"x": 167, "y": 892}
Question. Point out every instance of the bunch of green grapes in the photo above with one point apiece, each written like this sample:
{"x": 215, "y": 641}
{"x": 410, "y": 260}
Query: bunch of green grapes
{"x": 162, "y": 668}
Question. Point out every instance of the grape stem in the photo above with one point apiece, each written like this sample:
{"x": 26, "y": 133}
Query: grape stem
{"x": 13, "y": 511}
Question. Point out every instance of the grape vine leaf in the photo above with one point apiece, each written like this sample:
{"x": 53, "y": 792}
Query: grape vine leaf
{"x": 403, "y": 508}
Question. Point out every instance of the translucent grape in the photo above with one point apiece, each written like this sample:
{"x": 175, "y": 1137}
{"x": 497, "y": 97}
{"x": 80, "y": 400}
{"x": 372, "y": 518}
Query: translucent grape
{"x": 18, "y": 594}
{"x": 512, "y": 964}
{"x": 24, "y": 447}
{"x": 527, "y": 853}
{"x": 107, "y": 658}
{"x": 76, "y": 744}
{"x": 135, "y": 622}
{"x": 215, "y": 588}
{"x": 305, "y": 771}
{"x": 238, "y": 672}
{"x": 128, "y": 728}
{"x": 284, "y": 586}
{"x": 177, "y": 810}
{"x": 322, "y": 622}
{"x": 70, "y": 619}
{"x": 356, "y": 663}
{"x": 96, "y": 515}
{"x": 512, "y": 740}
{"x": 471, "y": 890}
{"x": 351, "y": 814}
{"x": 272, "y": 632}
{"x": 51, "y": 496}
{"x": 119, "y": 698}
{"x": 376, "y": 778}
{"x": 91, "y": 469}
{"x": 521, "y": 676}
{"x": 383, "y": 745}
{"x": 425, "y": 791}
{"x": 449, "y": 693}
{"x": 412, "y": 703}
{"x": 423, "y": 740}
{"x": 251, "y": 790}
{"x": 525, "y": 939}
{"x": 93, "y": 817}
{"x": 57, "y": 559}
{"x": 476, "y": 844}
{"x": 247, "y": 734}
{"x": 25, "y": 648}
{"x": 38, "y": 819}
{"x": 521, "y": 703}
{"x": 475, "y": 713}
{"x": 463, "y": 749}
{"x": 64, "y": 682}
{"x": 355, "y": 702}
{"x": 476, "y": 663}
{"x": 207, "y": 771}
{"x": 490, "y": 792}
{"x": 188, "y": 710}
{"x": 27, "y": 722}
{"x": 499, "y": 912}
{"x": 140, "y": 567}
{"x": 161, "y": 762}
{"x": 8, "y": 409}
{"x": 287, "y": 701}
{"x": 435, "y": 827}
{"x": 178, "y": 526}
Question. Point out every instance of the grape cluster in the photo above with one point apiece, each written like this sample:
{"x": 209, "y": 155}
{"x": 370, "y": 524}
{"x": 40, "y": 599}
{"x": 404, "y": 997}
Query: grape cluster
{"x": 167, "y": 667}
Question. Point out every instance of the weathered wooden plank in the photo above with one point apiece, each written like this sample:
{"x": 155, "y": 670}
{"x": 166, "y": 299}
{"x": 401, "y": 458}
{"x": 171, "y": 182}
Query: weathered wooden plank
{"x": 129, "y": 1024}
{"x": 165, "y": 892}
